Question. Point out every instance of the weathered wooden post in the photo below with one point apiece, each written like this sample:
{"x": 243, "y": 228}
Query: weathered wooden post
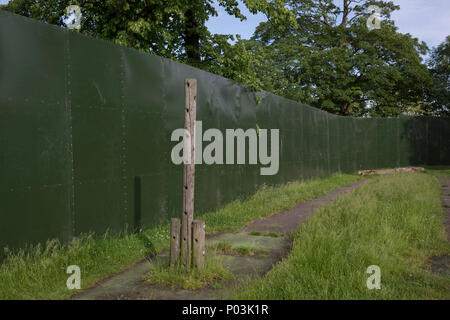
{"x": 198, "y": 243}
{"x": 187, "y": 242}
{"x": 190, "y": 106}
{"x": 175, "y": 229}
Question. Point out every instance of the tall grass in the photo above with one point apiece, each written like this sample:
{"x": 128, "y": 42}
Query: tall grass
{"x": 393, "y": 221}
{"x": 39, "y": 272}
{"x": 180, "y": 278}
{"x": 269, "y": 200}
{"x": 438, "y": 171}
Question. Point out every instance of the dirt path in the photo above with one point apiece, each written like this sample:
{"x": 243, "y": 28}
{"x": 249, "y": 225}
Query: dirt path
{"x": 441, "y": 264}
{"x": 128, "y": 284}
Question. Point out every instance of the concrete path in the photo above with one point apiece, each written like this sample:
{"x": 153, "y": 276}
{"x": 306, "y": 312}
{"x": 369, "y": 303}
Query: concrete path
{"x": 287, "y": 221}
{"x": 129, "y": 284}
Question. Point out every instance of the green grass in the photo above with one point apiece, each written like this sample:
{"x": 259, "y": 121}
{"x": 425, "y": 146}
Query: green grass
{"x": 438, "y": 171}
{"x": 226, "y": 248}
{"x": 393, "y": 221}
{"x": 273, "y": 234}
{"x": 180, "y": 278}
{"x": 40, "y": 272}
{"x": 267, "y": 234}
{"x": 269, "y": 200}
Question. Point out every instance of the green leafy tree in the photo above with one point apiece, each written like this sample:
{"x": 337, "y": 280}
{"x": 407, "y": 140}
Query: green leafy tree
{"x": 234, "y": 61}
{"x": 439, "y": 64}
{"x": 332, "y": 60}
{"x": 313, "y": 51}
{"x": 174, "y": 29}
{"x": 149, "y": 25}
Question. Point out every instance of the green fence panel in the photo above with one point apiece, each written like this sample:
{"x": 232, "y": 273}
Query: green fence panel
{"x": 414, "y": 131}
{"x": 35, "y": 150}
{"x": 85, "y": 129}
{"x": 434, "y": 138}
{"x": 404, "y": 149}
{"x": 444, "y": 142}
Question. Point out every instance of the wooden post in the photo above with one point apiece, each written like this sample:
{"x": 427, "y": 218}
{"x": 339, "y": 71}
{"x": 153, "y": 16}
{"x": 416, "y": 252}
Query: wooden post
{"x": 190, "y": 95}
{"x": 174, "y": 241}
{"x": 198, "y": 243}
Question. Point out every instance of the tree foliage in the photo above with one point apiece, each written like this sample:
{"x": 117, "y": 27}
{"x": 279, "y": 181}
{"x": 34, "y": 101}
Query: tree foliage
{"x": 333, "y": 61}
{"x": 439, "y": 64}
{"x": 173, "y": 29}
{"x": 314, "y": 51}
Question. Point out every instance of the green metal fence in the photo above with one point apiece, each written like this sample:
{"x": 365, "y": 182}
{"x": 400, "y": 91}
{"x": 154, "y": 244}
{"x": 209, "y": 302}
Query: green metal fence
{"x": 85, "y": 131}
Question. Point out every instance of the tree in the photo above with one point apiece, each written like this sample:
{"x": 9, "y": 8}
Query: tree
{"x": 312, "y": 51}
{"x": 439, "y": 65}
{"x": 333, "y": 61}
{"x": 147, "y": 25}
{"x": 174, "y": 29}
{"x": 233, "y": 61}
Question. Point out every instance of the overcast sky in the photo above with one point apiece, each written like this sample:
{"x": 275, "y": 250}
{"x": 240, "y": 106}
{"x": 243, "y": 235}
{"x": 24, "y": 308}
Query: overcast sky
{"x": 428, "y": 20}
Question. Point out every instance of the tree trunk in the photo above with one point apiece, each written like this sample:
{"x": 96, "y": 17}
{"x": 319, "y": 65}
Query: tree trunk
{"x": 192, "y": 37}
